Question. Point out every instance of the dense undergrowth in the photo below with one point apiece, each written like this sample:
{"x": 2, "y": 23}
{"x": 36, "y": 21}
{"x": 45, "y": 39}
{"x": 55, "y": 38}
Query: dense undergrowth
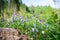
{"x": 39, "y": 23}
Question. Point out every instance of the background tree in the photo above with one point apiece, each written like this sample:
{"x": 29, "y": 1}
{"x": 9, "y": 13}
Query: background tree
{"x": 2, "y": 2}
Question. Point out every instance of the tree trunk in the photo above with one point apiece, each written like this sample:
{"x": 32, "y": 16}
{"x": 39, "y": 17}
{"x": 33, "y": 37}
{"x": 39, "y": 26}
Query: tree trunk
{"x": 2, "y": 13}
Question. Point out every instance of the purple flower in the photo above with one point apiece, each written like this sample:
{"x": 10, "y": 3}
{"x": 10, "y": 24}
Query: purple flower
{"x": 41, "y": 21}
{"x": 14, "y": 15}
{"x": 33, "y": 29}
{"x": 21, "y": 17}
{"x": 26, "y": 19}
{"x": 22, "y": 21}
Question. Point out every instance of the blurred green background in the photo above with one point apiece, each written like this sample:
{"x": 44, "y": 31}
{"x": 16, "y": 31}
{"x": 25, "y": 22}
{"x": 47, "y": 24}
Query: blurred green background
{"x": 39, "y": 23}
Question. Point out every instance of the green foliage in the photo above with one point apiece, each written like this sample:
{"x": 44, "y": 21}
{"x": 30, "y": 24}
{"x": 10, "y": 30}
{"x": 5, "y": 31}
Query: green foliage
{"x": 39, "y": 23}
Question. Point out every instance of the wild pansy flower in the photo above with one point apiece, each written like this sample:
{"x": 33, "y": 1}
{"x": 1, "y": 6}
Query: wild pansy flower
{"x": 21, "y": 17}
{"x": 26, "y": 19}
{"x": 33, "y": 29}
{"x": 22, "y": 21}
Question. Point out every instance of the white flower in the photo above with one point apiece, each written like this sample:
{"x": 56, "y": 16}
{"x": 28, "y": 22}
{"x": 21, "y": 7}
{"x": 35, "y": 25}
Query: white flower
{"x": 42, "y": 32}
{"x": 31, "y": 38}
